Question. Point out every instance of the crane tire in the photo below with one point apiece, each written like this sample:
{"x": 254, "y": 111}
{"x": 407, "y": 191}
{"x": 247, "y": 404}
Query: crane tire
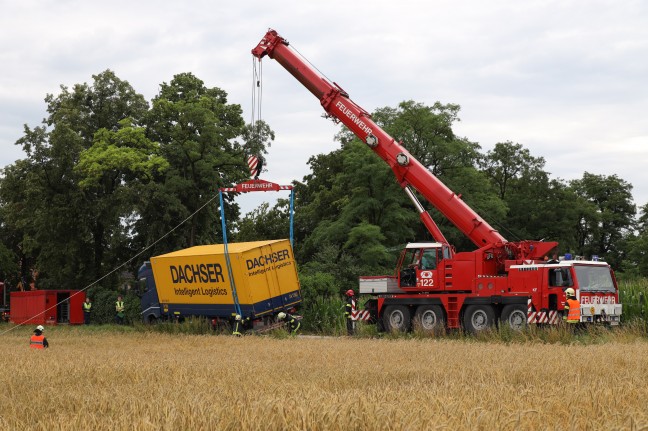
{"x": 514, "y": 316}
{"x": 478, "y": 318}
{"x": 396, "y": 318}
{"x": 429, "y": 318}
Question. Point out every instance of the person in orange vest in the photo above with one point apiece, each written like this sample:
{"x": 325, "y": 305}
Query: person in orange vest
{"x": 38, "y": 340}
{"x": 572, "y": 309}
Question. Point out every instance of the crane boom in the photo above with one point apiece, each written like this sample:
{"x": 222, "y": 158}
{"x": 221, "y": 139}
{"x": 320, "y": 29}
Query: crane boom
{"x": 407, "y": 169}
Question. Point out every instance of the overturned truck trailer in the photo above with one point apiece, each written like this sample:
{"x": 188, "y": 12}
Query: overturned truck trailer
{"x": 261, "y": 282}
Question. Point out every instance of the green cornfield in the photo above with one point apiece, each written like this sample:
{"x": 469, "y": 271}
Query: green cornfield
{"x": 633, "y": 294}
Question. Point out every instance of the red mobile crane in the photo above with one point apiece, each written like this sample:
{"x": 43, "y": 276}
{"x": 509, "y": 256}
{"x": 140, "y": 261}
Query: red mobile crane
{"x": 433, "y": 285}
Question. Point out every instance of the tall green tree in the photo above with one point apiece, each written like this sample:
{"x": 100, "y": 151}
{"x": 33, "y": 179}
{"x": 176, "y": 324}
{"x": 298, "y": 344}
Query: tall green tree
{"x": 63, "y": 234}
{"x": 353, "y": 203}
{"x": 265, "y": 223}
{"x": 606, "y": 214}
{"x": 113, "y": 171}
{"x": 537, "y": 206}
{"x": 636, "y": 259}
{"x": 197, "y": 130}
{"x": 426, "y": 132}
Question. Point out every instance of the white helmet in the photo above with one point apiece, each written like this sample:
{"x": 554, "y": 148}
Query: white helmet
{"x": 570, "y": 292}
{"x": 238, "y": 317}
{"x": 281, "y": 316}
{"x": 40, "y": 328}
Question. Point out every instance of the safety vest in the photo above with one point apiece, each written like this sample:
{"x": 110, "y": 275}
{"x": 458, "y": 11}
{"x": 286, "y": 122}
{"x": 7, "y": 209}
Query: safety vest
{"x": 119, "y": 306}
{"x": 87, "y": 306}
{"x": 574, "y": 311}
{"x": 36, "y": 341}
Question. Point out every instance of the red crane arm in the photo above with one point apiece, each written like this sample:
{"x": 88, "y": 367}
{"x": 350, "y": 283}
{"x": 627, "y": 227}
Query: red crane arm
{"x": 408, "y": 170}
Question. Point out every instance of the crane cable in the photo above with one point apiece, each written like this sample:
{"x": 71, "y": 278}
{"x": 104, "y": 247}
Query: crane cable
{"x": 257, "y": 95}
{"x": 115, "y": 269}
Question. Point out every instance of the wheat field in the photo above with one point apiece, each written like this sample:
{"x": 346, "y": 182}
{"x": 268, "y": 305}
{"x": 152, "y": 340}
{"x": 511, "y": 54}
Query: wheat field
{"x": 107, "y": 380}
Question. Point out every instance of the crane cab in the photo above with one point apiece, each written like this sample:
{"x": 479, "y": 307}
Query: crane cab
{"x": 419, "y": 266}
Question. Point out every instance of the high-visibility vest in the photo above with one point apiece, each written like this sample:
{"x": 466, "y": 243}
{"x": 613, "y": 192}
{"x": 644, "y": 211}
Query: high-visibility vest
{"x": 87, "y": 306}
{"x": 574, "y": 311}
{"x": 36, "y": 341}
{"x": 119, "y": 306}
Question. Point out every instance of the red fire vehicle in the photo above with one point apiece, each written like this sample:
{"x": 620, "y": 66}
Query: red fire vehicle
{"x": 435, "y": 286}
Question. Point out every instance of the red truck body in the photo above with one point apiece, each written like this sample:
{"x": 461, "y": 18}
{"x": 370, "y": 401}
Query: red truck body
{"x": 499, "y": 281}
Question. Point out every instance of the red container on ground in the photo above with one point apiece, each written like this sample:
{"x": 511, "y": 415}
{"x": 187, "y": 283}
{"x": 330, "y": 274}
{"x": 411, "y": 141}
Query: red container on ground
{"x": 40, "y": 307}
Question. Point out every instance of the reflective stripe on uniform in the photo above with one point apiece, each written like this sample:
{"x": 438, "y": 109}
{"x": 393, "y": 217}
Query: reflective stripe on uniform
{"x": 36, "y": 341}
{"x": 573, "y": 316}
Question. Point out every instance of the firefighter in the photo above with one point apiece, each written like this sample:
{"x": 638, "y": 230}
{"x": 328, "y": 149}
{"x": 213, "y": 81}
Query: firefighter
{"x": 238, "y": 326}
{"x": 349, "y": 308}
{"x": 293, "y": 323}
{"x": 87, "y": 308}
{"x": 572, "y": 309}
{"x": 38, "y": 340}
{"x": 119, "y": 309}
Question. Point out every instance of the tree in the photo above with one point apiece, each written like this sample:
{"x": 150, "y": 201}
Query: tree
{"x": 508, "y": 163}
{"x": 196, "y": 129}
{"x": 537, "y": 207}
{"x": 61, "y": 234}
{"x": 112, "y": 171}
{"x": 636, "y": 259}
{"x": 605, "y": 215}
{"x": 265, "y": 223}
{"x": 426, "y": 132}
{"x": 353, "y": 203}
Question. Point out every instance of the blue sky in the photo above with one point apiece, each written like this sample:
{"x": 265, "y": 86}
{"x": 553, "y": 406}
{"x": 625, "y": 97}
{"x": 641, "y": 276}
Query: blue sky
{"x": 566, "y": 79}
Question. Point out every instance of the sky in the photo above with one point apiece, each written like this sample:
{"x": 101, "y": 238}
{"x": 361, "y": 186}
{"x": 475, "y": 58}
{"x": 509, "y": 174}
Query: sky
{"x": 566, "y": 79}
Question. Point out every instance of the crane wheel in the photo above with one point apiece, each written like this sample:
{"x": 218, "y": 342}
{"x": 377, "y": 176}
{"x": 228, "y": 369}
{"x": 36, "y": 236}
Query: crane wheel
{"x": 396, "y": 318}
{"x": 429, "y": 318}
{"x": 478, "y": 318}
{"x": 514, "y": 316}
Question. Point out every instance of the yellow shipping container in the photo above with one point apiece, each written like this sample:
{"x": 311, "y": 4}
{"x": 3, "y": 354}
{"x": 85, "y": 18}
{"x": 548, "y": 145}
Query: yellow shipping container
{"x": 196, "y": 280}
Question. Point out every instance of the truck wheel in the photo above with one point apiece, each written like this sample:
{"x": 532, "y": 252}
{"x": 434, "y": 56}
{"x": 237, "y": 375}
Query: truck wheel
{"x": 477, "y": 318}
{"x": 429, "y": 318}
{"x": 396, "y": 318}
{"x": 151, "y": 320}
{"x": 515, "y": 316}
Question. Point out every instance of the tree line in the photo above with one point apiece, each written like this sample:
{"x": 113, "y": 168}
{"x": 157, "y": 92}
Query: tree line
{"x": 110, "y": 179}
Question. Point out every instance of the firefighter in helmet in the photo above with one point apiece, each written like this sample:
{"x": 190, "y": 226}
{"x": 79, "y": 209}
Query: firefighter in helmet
{"x": 349, "y": 308}
{"x": 572, "y": 308}
{"x": 38, "y": 340}
{"x": 240, "y": 325}
{"x": 293, "y": 323}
